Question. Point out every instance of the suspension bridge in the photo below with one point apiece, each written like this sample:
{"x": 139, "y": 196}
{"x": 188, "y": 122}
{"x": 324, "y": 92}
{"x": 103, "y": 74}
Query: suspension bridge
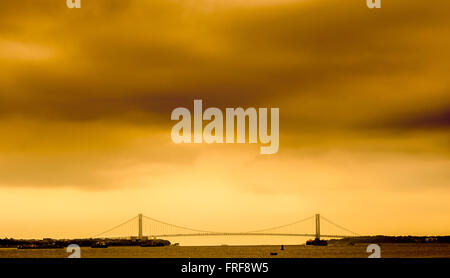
{"x": 143, "y": 227}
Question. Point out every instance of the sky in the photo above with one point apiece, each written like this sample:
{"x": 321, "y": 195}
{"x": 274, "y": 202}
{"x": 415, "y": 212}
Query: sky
{"x": 86, "y": 97}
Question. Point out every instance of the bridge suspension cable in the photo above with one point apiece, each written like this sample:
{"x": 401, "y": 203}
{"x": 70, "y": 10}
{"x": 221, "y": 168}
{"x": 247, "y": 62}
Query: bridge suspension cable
{"x": 115, "y": 227}
{"x": 339, "y": 226}
{"x": 282, "y": 226}
{"x": 179, "y": 227}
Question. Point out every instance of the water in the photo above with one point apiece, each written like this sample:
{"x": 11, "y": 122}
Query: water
{"x": 389, "y": 250}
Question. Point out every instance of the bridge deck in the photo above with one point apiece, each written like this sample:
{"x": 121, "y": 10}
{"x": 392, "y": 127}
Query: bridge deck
{"x": 246, "y": 234}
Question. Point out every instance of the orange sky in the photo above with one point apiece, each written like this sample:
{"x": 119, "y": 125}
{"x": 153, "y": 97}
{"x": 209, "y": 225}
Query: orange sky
{"x": 86, "y": 96}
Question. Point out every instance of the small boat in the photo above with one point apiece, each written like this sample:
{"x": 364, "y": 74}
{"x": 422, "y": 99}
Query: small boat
{"x": 29, "y": 246}
{"x": 317, "y": 242}
{"x": 39, "y": 246}
{"x": 155, "y": 243}
{"x": 100, "y": 244}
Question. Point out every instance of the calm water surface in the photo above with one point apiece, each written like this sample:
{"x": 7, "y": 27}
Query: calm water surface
{"x": 291, "y": 251}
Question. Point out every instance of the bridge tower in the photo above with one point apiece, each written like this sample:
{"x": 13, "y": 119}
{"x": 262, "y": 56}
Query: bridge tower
{"x": 318, "y": 226}
{"x": 140, "y": 226}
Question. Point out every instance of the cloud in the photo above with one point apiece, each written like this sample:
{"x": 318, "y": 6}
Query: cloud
{"x": 335, "y": 69}
{"x": 434, "y": 119}
{"x": 86, "y": 96}
{"x": 118, "y": 59}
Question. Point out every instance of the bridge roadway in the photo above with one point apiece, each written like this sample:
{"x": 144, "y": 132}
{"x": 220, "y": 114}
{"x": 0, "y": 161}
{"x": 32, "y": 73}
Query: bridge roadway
{"x": 246, "y": 234}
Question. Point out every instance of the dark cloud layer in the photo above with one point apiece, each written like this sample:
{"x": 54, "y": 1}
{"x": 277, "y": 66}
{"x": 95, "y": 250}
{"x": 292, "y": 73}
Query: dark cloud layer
{"x": 336, "y": 70}
{"x": 116, "y": 59}
{"x": 438, "y": 119}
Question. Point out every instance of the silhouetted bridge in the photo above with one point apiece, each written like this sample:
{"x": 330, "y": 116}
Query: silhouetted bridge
{"x": 159, "y": 229}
